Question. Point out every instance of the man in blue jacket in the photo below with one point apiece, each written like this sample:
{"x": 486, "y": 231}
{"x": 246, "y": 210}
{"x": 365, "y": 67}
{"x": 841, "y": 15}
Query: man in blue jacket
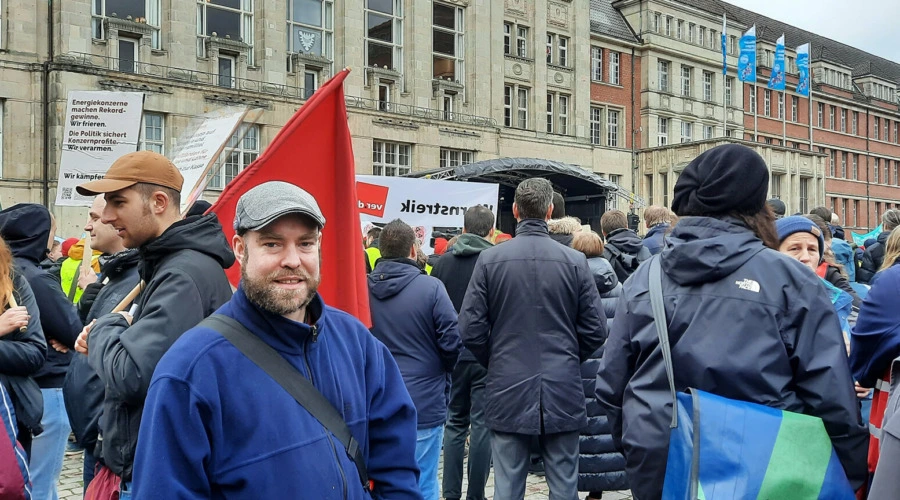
{"x": 532, "y": 315}
{"x": 217, "y": 426}
{"x": 413, "y": 316}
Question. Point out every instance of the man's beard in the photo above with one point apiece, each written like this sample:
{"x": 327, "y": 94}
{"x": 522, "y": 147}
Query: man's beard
{"x": 265, "y": 294}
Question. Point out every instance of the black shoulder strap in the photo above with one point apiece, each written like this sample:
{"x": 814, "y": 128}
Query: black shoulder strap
{"x": 293, "y": 382}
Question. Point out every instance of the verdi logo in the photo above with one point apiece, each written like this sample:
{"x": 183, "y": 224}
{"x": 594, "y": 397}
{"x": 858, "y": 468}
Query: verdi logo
{"x": 372, "y": 198}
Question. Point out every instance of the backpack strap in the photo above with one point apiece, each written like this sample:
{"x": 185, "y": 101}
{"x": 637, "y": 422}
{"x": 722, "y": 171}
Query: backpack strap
{"x": 662, "y": 331}
{"x": 292, "y": 381}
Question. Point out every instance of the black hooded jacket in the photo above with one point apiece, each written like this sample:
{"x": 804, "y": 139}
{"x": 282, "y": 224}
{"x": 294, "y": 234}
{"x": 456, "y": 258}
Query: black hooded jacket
{"x": 872, "y": 259}
{"x": 184, "y": 277}
{"x": 26, "y": 229}
{"x": 746, "y": 323}
{"x": 625, "y": 250}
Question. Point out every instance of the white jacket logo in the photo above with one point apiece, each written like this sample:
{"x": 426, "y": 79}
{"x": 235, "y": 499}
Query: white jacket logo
{"x": 749, "y": 285}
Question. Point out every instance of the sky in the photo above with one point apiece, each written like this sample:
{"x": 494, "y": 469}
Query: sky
{"x": 870, "y": 25}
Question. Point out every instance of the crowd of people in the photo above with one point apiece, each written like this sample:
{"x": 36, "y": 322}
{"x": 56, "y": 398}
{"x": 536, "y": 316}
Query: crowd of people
{"x": 537, "y": 352}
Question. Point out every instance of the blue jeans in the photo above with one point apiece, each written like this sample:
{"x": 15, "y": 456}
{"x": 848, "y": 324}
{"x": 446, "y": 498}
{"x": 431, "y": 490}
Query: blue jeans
{"x": 88, "y": 469}
{"x": 48, "y": 448}
{"x": 125, "y": 490}
{"x": 428, "y": 454}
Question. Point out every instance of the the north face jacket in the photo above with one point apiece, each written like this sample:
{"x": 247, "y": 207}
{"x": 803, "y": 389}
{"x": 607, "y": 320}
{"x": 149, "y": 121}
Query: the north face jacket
{"x": 745, "y": 322}
{"x": 185, "y": 281}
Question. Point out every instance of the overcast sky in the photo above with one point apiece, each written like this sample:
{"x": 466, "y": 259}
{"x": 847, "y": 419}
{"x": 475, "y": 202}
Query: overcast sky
{"x": 871, "y": 25}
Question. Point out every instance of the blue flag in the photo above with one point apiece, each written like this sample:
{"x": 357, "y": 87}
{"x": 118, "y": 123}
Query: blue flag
{"x": 776, "y": 80}
{"x": 724, "y": 50}
{"x": 747, "y": 59}
{"x": 803, "y": 69}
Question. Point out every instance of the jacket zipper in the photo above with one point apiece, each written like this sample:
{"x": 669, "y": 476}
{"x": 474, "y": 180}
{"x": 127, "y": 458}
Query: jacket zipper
{"x": 314, "y": 334}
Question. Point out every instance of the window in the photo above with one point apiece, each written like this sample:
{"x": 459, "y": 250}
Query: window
{"x": 701, "y": 37}
{"x": 781, "y": 105}
{"x": 657, "y": 19}
{"x": 831, "y": 117}
{"x": 515, "y": 106}
{"x": 895, "y": 131}
{"x": 549, "y": 48}
{"x": 614, "y": 68}
{"x": 241, "y": 150}
{"x": 804, "y": 196}
{"x": 686, "y": 81}
{"x": 563, "y": 122}
{"x": 877, "y": 126}
{"x": 310, "y": 27}
{"x": 855, "y": 171}
{"x": 877, "y": 168}
{"x": 142, "y": 11}
{"x": 384, "y": 97}
{"x": 522, "y": 41}
{"x": 447, "y": 43}
{"x": 668, "y": 26}
{"x": 854, "y": 123}
{"x": 843, "y": 120}
{"x": 310, "y": 83}
{"x": 732, "y": 45}
{"x": 507, "y": 38}
{"x": 227, "y": 19}
{"x": 833, "y": 163}
{"x": 226, "y": 70}
{"x": 687, "y": 129}
{"x": 649, "y": 178}
{"x": 597, "y": 64}
{"x": 613, "y": 202}
{"x": 563, "y": 46}
{"x": 729, "y": 84}
{"x": 821, "y": 111}
{"x": 776, "y": 186}
{"x": 390, "y": 158}
{"x": 128, "y": 54}
{"x": 153, "y": 133}
{"x": 558, "y": 45}
{"x": 896, "y": 177}
{"x": 455, "y": 157}
{"x": 767, "y": 102}
{"x": 690, "y": 33}
{"x": 753, "y": 99}
{"x": 855, "y": 213}
{"x": 612, "y": 129}
{"x": 795, "y": 104}
{"x": 708, "y": 131}
{"x": 713, "y": 39}
{"x": 663, "y": 134}
{"x": 843, "y": 211}
{"x": 551, "y": 98}
{"x": 447, "y": 105}
{"x": 789, "y": 65}
{"x": 680, "y": 28}
{"x": 887, "y": 124}
{"x": 707, "y": 86}
{"x": 665, "y": 189}
{"x": 559, "y": 118}
{"x": 663, "y": 75}
{"x": 384, "y": 34}
{"x": 843, "y": 165}
{"x": 596, "y": 124}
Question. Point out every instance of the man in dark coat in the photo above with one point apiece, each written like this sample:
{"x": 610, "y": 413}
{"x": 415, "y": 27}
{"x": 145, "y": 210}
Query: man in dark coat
{"x": 745, "y": 322}
{"x": 624, "y": 249}
{"x": 182, "y": 266}
{"x": 873, "y": 257}
{"x": 414, "y": 318}
{"x": 466, "y": 408}
{"x": 28, "y": 230}
{"x": 531, "y": 315}
{"x": 83, "y": 390}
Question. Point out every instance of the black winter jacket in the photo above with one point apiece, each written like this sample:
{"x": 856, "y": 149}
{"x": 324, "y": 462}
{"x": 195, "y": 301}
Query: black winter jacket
{"x": 184, "y": 277}
{"x": 872, "y": 259}
{"x": 22, "y": 354}
{"x": 26, "y": 229}
{"x": 625, "y": 250}
{"x": 745, "y": 322}
{"x": 83, "y": 390}
{"x": 531, "y": 315}
{"x": 455, "y": 268}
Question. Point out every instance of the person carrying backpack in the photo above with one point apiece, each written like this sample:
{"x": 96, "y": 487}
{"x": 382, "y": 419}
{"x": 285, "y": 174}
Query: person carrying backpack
{"x": 624, "y": 249}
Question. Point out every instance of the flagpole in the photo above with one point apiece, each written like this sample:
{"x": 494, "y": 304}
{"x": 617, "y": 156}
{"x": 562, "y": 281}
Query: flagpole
{"x": 755, "y": 111}
{"x": 724, "y": 76}
{"x": 724, "y": 108}
{"x": 784, "y": 118}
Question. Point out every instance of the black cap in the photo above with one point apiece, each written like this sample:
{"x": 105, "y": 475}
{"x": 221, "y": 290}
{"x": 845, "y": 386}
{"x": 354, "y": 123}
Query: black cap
{"x": 727, "y": 178}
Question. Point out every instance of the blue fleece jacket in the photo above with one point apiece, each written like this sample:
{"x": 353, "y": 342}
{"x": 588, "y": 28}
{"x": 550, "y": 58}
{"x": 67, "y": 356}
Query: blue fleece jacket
{"x": 876, "y": 337}
{"x": 216, "y": 426}
{"x": 413, "y": 316}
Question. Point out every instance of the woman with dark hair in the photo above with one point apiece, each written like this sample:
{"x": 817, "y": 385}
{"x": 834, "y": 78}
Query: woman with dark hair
{"x": 744, "y": 322}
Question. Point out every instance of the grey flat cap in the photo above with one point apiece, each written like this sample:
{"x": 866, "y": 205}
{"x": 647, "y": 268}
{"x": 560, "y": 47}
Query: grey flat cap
{"x": 269, "y": 201}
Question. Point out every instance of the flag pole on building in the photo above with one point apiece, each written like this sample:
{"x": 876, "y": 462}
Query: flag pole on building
{"x": 724, "y": 78}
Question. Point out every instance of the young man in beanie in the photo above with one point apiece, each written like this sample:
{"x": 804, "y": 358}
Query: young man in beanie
{"x": 744, "y": 313}
{"x": 218, "y": 426}
{"x": 183, "y": 281}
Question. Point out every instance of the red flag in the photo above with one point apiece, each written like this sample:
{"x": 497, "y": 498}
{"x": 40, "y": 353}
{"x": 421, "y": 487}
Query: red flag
{"x": 313, "y": 151}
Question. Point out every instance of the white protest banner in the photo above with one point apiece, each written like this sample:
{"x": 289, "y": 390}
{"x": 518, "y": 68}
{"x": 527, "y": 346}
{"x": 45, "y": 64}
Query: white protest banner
{"x": 421, "y": 203}
{"x": 201, "y": 146}
{"x": 100, "y": 127}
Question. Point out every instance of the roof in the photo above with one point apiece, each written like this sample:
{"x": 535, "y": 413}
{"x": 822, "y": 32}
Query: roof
{"x": 570, "y": 179}
{"x": 822, "y": 47}
{"x": 609, "y": 21}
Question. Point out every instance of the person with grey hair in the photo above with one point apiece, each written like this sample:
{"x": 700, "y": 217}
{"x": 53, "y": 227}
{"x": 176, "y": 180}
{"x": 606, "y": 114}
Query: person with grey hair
{"x": 874, "y": 254}
{"x": 531, "y": 315}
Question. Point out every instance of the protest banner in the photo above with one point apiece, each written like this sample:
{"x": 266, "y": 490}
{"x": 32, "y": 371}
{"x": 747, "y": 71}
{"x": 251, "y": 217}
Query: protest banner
{"x": 100, "y": 127}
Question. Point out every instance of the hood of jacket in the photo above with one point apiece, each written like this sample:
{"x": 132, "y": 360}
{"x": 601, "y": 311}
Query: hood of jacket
{"x": 626, "y": 240}
{"x": 391, "y": 276}
{"x": 115, "y": 264}
{"x": 659, "y": 228}
{"x": 704, "y": 249}
{"x": 604, "y": 274}
{"x": 882, "y": 237}
{"x": 199, "y": 233}
{"x": 469, "y": 244}
{"x": 26, "y": 229}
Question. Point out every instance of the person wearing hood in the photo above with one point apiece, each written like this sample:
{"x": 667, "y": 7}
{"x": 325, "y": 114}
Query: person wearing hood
{"x": 624, "y": 249}
{"x": 658, "y": 220}
{"x": 413, "y": 316}
{"x": 182, "y": 265}
{"x": 466, "y": 409}
{"x": 28, "y": 230}
{"x": 600, "y": 466}
{"x": 745, "y": 322}
{"x": 83, "y": 391}
{"x": 874, "y": 253}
